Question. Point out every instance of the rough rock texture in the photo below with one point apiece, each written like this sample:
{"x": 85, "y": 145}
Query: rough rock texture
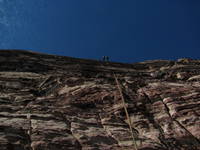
{"x": 59, "y": 103}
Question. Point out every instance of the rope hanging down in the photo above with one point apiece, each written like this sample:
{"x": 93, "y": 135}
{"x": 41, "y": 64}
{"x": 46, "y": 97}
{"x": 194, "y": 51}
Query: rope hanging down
{"x": 126, "y": 111}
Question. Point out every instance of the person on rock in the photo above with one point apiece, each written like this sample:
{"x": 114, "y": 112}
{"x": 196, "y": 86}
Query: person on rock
{"x": 106, "y": 58}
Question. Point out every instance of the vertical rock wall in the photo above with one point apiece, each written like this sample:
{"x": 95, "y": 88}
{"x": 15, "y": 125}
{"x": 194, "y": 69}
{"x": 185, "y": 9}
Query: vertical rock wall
{"x": 59, "y": 103}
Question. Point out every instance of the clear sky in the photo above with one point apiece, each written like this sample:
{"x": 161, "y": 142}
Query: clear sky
{"x": 125, "y": 30}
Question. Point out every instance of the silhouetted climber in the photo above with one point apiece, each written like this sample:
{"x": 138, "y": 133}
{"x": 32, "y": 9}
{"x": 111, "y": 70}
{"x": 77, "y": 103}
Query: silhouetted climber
{"x": 106, "y": 58}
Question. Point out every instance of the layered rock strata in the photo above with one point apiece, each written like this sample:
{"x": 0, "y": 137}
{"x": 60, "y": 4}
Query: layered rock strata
{"x": 52, "y": 102}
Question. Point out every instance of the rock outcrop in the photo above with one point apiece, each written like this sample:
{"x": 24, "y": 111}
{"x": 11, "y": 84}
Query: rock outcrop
{"x": 52, "y": 102}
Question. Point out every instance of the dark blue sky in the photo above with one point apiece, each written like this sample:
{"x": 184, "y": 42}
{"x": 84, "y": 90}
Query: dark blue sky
{"x": 125, "y": 30}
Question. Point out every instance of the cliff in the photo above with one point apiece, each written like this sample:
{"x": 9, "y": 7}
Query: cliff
{"x": 52, "y": 102}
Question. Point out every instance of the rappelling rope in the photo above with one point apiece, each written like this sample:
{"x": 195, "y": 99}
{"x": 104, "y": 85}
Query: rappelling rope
{"x": 126, "y": 111}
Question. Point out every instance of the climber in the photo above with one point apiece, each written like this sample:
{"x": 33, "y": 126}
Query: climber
{"x": 106, "y": 58}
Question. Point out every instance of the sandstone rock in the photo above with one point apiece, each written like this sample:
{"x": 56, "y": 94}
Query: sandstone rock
{"x": 182, "y": 75}
{"x": 197, "y": 77}
{"x": 52, "y": 102}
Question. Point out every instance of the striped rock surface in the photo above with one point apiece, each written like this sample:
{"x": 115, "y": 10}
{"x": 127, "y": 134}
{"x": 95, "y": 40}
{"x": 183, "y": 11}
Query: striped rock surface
{"x": 52, "y": 102}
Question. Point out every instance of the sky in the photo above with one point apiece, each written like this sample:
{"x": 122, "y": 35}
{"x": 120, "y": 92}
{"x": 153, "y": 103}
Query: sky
{"x": 125, "y": 30}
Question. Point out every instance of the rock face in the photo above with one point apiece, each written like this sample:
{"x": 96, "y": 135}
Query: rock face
{"x": 52, "y": 102}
